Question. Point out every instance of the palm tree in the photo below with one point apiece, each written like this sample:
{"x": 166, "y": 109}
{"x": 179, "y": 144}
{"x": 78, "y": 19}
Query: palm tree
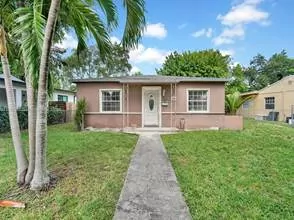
{"x": 7, "y": 7}
{"x": 31, "y": 17}
{"x": 79, "y": 15}
{"x": 234, "y": 101}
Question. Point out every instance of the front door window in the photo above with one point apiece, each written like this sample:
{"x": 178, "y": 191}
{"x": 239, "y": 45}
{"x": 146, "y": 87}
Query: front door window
{"x": 151, "y": 102}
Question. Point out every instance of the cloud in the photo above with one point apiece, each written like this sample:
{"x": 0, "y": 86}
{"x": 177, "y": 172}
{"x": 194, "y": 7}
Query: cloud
{"x": 203, "y": 32}
{"x": 157, "y": 30}
{"x": 229, "y": 34}
{"x": 114, "y": 39}
{"x": 69, "y": 42}
{"x": 244, "y": 13}
{"x": 182, "y": 26}
{"x": 148, "y": 55}
{"x": 134, "y": 70}
{"x": 229, "y": 52}
{"x": 237, "y": 18}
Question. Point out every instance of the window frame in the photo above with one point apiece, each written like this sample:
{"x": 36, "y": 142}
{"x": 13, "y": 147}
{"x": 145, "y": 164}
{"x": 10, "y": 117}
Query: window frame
{"x": 274, "y": 103}
{"x": 58, "y": 95}
{"x": 100, "y": 101}
{"x": 208, "y": 100}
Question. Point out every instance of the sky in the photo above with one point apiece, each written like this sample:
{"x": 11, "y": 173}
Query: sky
{"x": 239, "y": 28}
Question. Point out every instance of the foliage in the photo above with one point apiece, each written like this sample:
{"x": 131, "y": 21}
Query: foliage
{"x": 263, "y": 72}
{"x": 4, "y": 120}
{"x": 89, "y": 64}
{"x": 90, "y": 167}
{"x": 80, "y": 111}
{"x": 55, "y": 116}
{"x": 237, "y": 80}
{"x": 240, "y": 174}
{"x": 206, "y": 63}
{"x": 234, "y": 101}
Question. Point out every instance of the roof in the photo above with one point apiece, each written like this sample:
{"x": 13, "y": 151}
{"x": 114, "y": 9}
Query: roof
{"x": 64, "y": 90}
{"x": 250, "y": 93}
{"x": 259, "y": 91}
{"x": 152, "y": 79}
{"x": 14, "y": 79}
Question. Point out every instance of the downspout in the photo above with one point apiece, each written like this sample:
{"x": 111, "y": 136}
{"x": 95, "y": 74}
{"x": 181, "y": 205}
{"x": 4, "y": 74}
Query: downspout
{"x": 123, "y": 107}
{"x": 128, "y": 104}
{"x": 175, "y": 124}
{"x": 171, "y": 105}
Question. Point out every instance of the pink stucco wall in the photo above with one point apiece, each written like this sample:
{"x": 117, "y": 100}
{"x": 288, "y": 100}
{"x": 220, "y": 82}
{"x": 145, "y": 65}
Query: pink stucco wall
{"x": 178, "y": 107}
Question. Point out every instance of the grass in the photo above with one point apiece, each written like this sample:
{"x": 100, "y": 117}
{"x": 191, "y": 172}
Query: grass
{"x": 90, "y": 166}
{"x": 236, "y": 174}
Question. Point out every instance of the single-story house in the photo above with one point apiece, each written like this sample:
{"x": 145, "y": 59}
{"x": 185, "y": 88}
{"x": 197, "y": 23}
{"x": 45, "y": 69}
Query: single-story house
{"x": 156, "y": 101}
{"x": 277, "y": 97}
{"x": 20, "y": 94}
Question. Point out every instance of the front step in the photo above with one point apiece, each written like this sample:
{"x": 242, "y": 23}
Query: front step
{"x": 151, "y": 130}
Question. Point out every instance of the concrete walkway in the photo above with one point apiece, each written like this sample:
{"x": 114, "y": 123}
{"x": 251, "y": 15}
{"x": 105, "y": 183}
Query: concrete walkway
{"x": 150, "y": 190}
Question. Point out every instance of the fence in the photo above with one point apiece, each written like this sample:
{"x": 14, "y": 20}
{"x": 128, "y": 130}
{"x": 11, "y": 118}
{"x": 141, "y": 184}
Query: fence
{"x": 55, "y": 116}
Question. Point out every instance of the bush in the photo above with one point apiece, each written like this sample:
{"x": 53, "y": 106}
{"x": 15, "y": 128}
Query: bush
{"x": 4, "y": 120}
{"x": 55, "y": 116}
{"x": 79, "y": 117}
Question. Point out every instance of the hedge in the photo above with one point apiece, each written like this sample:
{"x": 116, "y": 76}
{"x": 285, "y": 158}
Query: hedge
{"x": 55, "y": 116}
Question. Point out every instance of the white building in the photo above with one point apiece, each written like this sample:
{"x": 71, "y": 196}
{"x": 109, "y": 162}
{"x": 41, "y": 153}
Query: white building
{"x": 19, "y": 88}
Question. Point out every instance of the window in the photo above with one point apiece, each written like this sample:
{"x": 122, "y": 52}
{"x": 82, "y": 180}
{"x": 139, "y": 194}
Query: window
{"x": 198, "y": 100}
{"x": 110, "y": 100}
{"x": 270, "y": 103}
{"x": 62, "y": 98}
{"x": 246, "y": 104}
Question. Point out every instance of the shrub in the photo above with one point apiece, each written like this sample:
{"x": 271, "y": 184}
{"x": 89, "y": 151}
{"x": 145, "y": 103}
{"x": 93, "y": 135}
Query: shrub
{"x": 79, "y": 117}
{"x": 55, "y": 116}
{"x": 4, "y": 120}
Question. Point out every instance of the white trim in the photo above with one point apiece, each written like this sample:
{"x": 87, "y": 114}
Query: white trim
{"x": 208, "y": 99}
{"x": 139, "y": 113}
{"x": 100, "y": 101}
{"x": 146, "y": 88}
{"x": 193, "y": 113}
{"x": 112, "y": 113}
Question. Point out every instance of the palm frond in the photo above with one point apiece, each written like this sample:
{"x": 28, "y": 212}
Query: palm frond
{"x": 110, "y": 10}
{"x": 30, "y": 24}
{"x": 84, "y": 20}
{"x": 135, "y": 22}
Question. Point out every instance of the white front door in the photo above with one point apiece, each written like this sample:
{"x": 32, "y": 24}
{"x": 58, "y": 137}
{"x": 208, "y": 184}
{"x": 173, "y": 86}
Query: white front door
{"x": 151, "y": 106}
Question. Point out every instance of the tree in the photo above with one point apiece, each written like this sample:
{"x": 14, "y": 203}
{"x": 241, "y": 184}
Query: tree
{"x": 79, "y": 14}
{"x": 233, "y": 102}
{"x": 89, "y": 64}
{"x": 237, "y": 80}
{"x": 262, "y": 72}
{"x": 206, "y": 63}
{"x": 7, "y": 8}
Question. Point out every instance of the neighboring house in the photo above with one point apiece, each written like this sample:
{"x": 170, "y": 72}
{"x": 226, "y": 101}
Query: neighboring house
{"x": 277, "y": 97}
{"x": 156, "y": 101}
{"x": 19, "y": 87}
{"x": 64, "y": 95}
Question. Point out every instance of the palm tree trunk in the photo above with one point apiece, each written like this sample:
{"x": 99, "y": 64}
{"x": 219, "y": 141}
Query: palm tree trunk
{"x": 31, "y": 126}
{"x": 41, "y": 177}
{"x": 31, "y": 102}
{"x": 21, "y": 159}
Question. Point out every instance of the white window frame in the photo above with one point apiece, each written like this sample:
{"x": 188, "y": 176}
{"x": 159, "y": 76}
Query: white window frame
{"x": 100, "y": 100}
{"x": 208, "y": 99}
{"x": 274, "y": 103}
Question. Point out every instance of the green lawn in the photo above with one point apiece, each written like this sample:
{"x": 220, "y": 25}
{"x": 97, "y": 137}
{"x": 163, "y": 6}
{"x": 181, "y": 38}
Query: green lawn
{"x": 90, "y": 166}
{"x": 245, "y": 174}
